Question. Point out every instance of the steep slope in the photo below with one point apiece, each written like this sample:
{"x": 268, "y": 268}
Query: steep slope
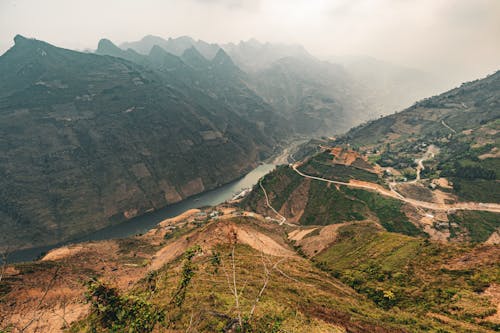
{"x": 472, "y": 104}
{"x": 228, "y": 273}
{"x": 218, "y": 78}
{"x": 90, "y": 140}
{"x": 315, "y": 96}
{"x": 411, "y": 172}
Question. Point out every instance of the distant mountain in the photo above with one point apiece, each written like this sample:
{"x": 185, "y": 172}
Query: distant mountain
{"x": 90, "y": 140}
{"x": 218, "y": 78}
{"x": 253, "y": 55}
{"x": 317, "y": 97}
{"x": 390, "y": 86}
{"x": 176, "y": 46}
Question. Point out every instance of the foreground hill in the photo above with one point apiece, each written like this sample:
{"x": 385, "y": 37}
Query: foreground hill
{"x": 89, "y": 140}
{"x": 241, "y": 271}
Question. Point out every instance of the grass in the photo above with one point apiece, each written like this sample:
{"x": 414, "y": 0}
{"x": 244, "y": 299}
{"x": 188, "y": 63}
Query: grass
{"x": 328, "y": 205}
{"x": 405, "y": 272}
{"x": 322, "y": 166}
{"x": 479, "y": 225}
{"x": 478, "y": 190}
{"x": 302, "y": 299}
{"x": 388, "y": 212}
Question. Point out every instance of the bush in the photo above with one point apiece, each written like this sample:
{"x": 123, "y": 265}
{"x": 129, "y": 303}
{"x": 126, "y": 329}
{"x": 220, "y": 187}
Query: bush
{"x": 119, "y": 313}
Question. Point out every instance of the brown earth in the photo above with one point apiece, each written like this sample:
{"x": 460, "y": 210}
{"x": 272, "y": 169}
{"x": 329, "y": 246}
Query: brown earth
{"x": 493, "y": 292}
{"x": 480, "y": 255}
{"x": 220, "y": 233}
{"x": 296, "y": 203}
{"x": 48, "y": 295}
{"x": 311, "y": 245}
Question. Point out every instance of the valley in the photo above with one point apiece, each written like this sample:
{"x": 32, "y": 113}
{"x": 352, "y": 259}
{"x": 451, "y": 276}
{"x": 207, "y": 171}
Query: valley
{"x": 175, "y": 185}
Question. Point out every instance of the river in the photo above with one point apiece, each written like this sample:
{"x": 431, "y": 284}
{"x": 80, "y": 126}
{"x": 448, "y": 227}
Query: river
{"x": 143, "y": 223}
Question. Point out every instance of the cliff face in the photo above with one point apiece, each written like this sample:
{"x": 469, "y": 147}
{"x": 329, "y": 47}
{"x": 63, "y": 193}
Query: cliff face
{"x": 90, "y": 140}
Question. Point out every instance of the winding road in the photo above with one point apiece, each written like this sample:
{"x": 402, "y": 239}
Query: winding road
{"x": 490, "y": 207}
{"x": 282, "y": 218}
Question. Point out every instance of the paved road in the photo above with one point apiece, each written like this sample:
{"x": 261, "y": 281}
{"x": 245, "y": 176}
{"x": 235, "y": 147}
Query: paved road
{"x": 490, "y": 207}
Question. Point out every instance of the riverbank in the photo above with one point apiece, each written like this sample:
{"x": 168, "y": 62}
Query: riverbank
{"x": 145, "y": 222}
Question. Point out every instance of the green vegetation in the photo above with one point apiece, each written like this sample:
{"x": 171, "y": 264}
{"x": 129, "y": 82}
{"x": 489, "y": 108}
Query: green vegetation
{"x": 478, "y": 190}
{"x": 279, "y": 184}
{"x": 405, "y": 272}
{"x": 388, "y": 212}
{"x": 112, "y": 312}
{"x": 478, "y": 225}
{"x": 327, "y": 205}
{"x": 188, "y": 270}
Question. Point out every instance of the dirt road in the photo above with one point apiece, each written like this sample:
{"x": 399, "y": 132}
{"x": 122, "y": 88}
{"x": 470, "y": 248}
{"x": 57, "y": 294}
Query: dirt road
{"x": 490, "y": 207}
{"x": 282, "y": 218}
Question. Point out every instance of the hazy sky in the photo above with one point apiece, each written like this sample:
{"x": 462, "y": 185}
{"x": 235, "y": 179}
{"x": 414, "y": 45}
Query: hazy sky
{"x": 447, "y": 37}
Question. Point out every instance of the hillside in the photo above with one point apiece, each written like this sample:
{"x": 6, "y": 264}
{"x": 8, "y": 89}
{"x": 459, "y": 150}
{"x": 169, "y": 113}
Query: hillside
{"x": 196, "y": 272}
{"x": 431, "y": 170}
{"x": 463, "y": 108}
{"x": 460, "y": 127}
{"x": 90, "y": 140}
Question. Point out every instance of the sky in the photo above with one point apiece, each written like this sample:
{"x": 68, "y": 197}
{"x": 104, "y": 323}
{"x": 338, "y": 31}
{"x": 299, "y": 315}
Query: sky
{"x": 455, "y": 38}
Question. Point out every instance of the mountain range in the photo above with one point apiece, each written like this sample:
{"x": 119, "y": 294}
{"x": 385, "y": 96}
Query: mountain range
{"x": 91, "y": 140}
{"x": 94, "y": 139}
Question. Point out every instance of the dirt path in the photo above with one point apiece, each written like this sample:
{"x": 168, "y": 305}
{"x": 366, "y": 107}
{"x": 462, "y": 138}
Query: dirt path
{"x": 429, "y": 154}
{"x": 448, "y": 127}
{"x": 490, "y": 207}
{"x": 282, "y": 218}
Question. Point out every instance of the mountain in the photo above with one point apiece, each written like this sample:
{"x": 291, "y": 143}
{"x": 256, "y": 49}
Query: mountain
{"x": 461, "y": 124}
{"x": 317, "y": 97}
{"x": 253, "y": 55}
{"x": 218, "y": 78}
{"x": 91, "y": 140}
{"x": 176, "y": 46}
{"x": 463, "y": 108}
{"x": 391, "y": 86}
{"x": 312, "y": 96}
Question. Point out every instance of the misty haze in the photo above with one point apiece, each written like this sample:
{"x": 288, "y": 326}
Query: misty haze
{"x": 250, "y": 166}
